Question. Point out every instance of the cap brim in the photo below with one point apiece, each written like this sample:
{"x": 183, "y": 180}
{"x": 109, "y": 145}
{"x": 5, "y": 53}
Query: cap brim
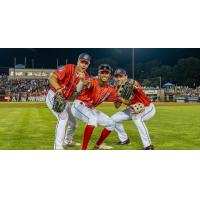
{"x": 85, "y": 60}
{"x": 120, "y": 74}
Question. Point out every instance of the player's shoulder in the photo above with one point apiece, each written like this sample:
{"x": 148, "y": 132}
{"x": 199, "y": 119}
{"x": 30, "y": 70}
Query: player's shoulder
{"x": 137, "y": 82}
{"x": 94, "y": 80}
{"x": 69, "y": 67}
{"x": 112, "y": 88}
{"x": 60, "y": 68}
{"x": 66, "y": 67}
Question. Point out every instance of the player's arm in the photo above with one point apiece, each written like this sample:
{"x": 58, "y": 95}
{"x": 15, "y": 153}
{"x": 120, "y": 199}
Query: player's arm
{"x": 87, "y": 83}
{"x": 114, "y": 98}
{"x": 80, "y": 85}
{"x": 83, "y": 84}
{"x": 53, "y": 79}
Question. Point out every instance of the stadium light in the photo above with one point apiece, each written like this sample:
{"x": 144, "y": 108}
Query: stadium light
{"x": 133, "y": 62}
{"x": 160, "y": 82}
{"x": 57, "y": 62}
{"x": 25, "y": 61}
{"x": 33, "y": 63}
{"x": 15, "y": 62}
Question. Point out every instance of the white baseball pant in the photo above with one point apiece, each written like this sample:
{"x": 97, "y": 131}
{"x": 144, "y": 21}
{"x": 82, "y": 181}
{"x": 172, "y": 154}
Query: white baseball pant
{"x": 138, "y": 119}
{"x": 91, "y": 116}
{"x": 65, "y": 118}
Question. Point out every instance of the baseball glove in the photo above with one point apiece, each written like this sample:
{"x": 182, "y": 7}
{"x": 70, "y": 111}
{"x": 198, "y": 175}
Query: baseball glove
{"x": 59, "y": 103}
{"x": 137, "y": 108}
{"x": 126, "y": 90}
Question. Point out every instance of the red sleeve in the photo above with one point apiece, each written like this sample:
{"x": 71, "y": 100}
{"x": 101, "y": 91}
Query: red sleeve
{"x": 61, "y": 72}
{"x": 85, "y": 90}
{"x": 93, "y": 83}
{"x": 140, "y": 89}
{"x": 113, "y": 95}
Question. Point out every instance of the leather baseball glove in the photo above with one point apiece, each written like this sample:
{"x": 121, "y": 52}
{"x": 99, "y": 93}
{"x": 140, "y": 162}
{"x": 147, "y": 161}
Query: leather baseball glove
{"x": 126, "y": 90}
{"x": 59, "y": 103}
{"x": 137, "y": 108}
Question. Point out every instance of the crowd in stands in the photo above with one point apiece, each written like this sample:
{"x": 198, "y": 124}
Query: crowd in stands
{"x": 3, "y": 83}
{"x": 36, "y": 90}
{"x": 31, "y": 86}
{"x": 24, "y": 89}
{"x": 185, "y": 91}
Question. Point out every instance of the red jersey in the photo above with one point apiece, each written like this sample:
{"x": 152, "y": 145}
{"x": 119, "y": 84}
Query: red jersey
{"x": 96, "y": 94}
{"x": 139, "y": 96}
{"x": 67, "y": 79}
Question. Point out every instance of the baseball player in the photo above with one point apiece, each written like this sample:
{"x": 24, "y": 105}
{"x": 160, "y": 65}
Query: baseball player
{"x": 83, "y": 108}
{"x": 66, "y": 81}
{"x": 138, "y": 96}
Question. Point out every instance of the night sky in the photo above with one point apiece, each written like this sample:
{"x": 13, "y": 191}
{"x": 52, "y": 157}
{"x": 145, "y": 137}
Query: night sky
{"x": 116, "y": 57}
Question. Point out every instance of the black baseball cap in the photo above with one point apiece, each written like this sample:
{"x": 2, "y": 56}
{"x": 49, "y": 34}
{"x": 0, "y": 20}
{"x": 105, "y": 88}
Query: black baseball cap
{"x": 105, "y": 67}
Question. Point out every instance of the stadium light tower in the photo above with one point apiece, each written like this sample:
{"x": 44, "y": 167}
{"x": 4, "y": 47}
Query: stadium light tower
{"x": 33, "y": 63}
{"x": 57, "y": 62}
{"x": 15, "y": 62}
{"x": 133, "y": 62}
{"x": 25, "y": 61}
{"x": 160, "y": 82}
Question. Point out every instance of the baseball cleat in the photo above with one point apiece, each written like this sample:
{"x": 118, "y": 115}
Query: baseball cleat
{"x": 126, "y": 142}
{"x": 102, "y": 147}
{"x": 59, "y": 148}
{"x": 151, "y": 147}
{"x": 71, "y": 144}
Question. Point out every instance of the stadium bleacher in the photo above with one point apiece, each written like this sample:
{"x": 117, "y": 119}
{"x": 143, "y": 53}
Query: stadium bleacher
{"x": 36, "y": 90}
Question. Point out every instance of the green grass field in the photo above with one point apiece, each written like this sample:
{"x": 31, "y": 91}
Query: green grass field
{"x": 31, "y": 126}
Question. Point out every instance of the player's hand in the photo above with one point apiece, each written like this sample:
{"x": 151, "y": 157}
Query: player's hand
{"x": 59, "y": 90}
{"x": 81, "y": 75}
{"x": 87, "y": 83}
{"x": 121, "y": 99}
{"x": 117, "y": 104}
{"x": 124, "y": 101}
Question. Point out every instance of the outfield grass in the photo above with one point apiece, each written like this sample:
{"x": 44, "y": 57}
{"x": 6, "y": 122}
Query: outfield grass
{"x": 32, "y": 127}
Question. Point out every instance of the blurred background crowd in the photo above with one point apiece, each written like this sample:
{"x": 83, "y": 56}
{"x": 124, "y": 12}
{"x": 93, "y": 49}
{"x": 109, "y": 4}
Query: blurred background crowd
{"x": 22, "y": 89}
{"x": 36, "y": 89}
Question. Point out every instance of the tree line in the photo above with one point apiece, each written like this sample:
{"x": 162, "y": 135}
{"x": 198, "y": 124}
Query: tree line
{"x": 185, "y": 72}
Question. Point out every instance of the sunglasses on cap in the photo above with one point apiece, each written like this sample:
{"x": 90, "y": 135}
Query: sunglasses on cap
{"x": 105, "y": 67}
{"x": 103, "y": 71}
